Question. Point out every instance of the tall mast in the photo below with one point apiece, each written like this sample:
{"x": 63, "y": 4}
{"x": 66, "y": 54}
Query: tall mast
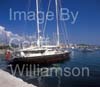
{"x": 38, "y": 31}
{"x": 58, "y": 39}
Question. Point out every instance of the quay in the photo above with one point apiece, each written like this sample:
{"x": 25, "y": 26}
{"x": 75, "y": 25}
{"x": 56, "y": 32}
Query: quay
{"x": 8, "y": 80}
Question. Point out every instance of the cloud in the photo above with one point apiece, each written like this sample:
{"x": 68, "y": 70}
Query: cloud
{"x": 4, "y": 32}
{"x": 6, "y": 36}
{"x": 2, "y": 29}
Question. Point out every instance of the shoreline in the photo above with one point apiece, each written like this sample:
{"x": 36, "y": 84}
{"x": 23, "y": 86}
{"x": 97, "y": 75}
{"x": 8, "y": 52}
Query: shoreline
{"x": 9, "y": 80}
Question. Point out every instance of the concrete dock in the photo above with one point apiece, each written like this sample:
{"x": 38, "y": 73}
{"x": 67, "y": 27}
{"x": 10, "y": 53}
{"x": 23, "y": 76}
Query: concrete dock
{"x": 8, "y": 80}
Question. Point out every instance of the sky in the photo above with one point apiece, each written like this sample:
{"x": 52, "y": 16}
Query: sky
{"x": 86, "y": 28}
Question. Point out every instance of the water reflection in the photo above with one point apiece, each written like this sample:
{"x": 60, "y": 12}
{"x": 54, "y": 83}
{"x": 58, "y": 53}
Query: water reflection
{"x": 79, "y": 59}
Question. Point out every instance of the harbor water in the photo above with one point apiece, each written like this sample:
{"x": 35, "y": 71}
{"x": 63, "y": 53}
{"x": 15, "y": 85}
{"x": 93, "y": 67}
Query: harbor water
{"x": 74, "y": 76}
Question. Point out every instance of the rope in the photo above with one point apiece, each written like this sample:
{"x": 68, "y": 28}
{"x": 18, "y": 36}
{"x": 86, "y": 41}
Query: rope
{"x": 66, "y": 33}
{"x": 29, "y": 5}
{"x": 46, "y": 19}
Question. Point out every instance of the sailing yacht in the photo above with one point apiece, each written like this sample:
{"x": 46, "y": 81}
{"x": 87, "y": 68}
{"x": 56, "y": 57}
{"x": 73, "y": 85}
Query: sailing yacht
{"x": 41, "y": 54}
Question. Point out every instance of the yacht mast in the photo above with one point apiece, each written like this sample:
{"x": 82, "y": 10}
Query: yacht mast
{"x": 38, "y": 30}
{"x": 58, "y": 40}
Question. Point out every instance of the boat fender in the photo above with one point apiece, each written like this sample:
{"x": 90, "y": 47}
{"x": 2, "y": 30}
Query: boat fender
{"x": 7, "y": 55}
